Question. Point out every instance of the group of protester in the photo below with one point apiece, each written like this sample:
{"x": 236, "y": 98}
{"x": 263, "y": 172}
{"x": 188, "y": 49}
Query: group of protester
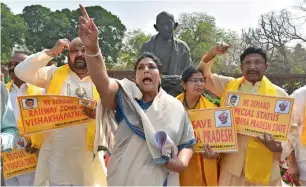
{"x": 129, "y": 113}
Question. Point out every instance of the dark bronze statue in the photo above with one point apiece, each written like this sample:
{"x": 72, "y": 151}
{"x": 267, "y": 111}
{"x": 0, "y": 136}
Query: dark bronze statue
{"x": 172, "y": 52}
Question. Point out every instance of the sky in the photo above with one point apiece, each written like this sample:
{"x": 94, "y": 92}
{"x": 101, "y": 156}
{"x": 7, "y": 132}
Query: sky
{"x": 230, "y": 14}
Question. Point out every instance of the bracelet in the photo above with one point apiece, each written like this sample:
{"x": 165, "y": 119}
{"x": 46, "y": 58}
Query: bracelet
{"x": 94, "y": 55}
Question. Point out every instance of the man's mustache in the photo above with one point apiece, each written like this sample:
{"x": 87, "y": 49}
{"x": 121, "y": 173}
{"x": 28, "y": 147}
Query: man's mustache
{"x": 79, "y": 58}
{"x": 252, "y": 71}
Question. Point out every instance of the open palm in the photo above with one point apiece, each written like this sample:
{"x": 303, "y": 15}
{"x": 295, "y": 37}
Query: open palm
{"x": 88, "y": 31}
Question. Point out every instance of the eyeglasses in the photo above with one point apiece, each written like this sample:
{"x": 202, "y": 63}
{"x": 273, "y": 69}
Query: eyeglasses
{"x": 256, "y": 62}
{"x": 196, "y": 80}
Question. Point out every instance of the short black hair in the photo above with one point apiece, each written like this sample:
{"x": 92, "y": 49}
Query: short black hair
{"x": 234, "y": 96}
{"x": 29, "y": 100}
{"x": 188, "y": 73}
{"x": 151, "y": 56}
{"x": 253, "y": 50}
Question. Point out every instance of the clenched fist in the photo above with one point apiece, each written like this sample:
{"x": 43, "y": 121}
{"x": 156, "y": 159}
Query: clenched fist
{"x": 59, "y": 47}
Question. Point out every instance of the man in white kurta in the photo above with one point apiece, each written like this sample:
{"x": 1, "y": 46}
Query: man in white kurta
{"x": 298, "y": 161}
{"x": 63, "y": 157}
{"x": 18, "y": 88}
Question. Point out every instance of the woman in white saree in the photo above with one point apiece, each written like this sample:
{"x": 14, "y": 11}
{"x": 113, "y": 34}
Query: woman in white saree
{"x": 142, "y": 109}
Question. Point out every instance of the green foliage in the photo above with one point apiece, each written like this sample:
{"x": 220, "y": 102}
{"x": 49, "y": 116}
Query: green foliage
{"x": 110, "y": 27}
{"x": 38, "y": 28}
{"x": 131, "y": 48}
{"x": 13, "y": 29}
{"x": 198, "y": 31}
{"x": 216, "y": 101}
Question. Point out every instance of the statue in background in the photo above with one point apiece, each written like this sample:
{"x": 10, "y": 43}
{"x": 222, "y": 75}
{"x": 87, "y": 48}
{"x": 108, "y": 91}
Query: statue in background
{"x": 173, "y": 53}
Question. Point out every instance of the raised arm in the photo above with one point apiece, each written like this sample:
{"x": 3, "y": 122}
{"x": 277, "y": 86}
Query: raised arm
{"x": 106, "y": 86}
{"x": 33, "y": 69}
{"x": 214, "y": 83}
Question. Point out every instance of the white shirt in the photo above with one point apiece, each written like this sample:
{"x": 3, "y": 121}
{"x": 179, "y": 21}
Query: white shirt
{"x": 16, "y": 92}
{"x": 64, "y": 157}
{"x": 298, "y": 119}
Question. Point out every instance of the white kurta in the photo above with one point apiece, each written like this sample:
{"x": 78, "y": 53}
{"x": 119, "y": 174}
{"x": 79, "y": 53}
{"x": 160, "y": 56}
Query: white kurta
{"x": 64, "y": 157}
{"x": 26, "y": 179}
{"x": 298, "y": 119}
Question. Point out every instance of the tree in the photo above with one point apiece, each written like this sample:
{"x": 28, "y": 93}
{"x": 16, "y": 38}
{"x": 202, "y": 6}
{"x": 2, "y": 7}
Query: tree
{"x": 275, "y": 31}
{"x": 131, "y": 47}
{"x": 298, "y": 55}
{"x": 12, "y": 31}
{"x": 45, "y": 31}
{"x": 230, "y": 62}
{"x": 200, "y": 33}
{"x": 110, "y": 27}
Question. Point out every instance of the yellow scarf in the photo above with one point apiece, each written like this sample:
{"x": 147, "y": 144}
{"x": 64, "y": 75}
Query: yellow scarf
{"x": 35, "y": 138}
{"x": 210, "y": 166}
{"x": 303, "y": 137}
{"x": 259, "y": 158}
{"x": 55, "y": 87}
{"x": 203, "y": 103}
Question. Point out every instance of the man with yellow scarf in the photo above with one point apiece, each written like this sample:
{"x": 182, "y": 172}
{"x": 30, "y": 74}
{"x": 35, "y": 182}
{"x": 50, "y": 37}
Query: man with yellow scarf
{"x": 17, "y": 87}
{"x": 256, "y": 162}
{"x": 65, "y": 154}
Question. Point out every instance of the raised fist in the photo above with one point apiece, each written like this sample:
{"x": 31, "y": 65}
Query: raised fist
{"x": 219, "y": 49}
{"x": 60, "y": 46}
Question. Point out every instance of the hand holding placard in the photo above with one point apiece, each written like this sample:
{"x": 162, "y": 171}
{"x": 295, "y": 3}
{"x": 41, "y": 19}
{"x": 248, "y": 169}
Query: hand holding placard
{"x": 209, "y": 153}
{"x": 269, "y": 141}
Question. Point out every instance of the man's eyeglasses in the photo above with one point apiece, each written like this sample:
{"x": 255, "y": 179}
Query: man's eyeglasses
{"x": 256, "y": 62}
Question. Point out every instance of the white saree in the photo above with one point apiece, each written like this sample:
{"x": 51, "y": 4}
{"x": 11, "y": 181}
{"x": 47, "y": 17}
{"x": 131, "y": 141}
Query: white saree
{"x": 135, "y": 161}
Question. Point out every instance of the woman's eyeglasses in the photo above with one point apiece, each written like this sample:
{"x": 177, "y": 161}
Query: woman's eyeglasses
{"x": 197, "y": 80}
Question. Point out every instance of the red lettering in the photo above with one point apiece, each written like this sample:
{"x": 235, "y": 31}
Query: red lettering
{"x": 197, "y": 136}
{"x": 27, "y": 122}
{"x": 279, "y": 128}
{"x": 46, "y": 102}
{"x": 230, "y": 135}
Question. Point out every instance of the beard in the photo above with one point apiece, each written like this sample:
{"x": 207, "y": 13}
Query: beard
{"x": 79, "y": 63}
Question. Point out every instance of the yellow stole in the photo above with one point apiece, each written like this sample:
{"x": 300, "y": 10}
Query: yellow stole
{"x": 259, "y": 158}
{"x": 210, "y": 166}
{"x": 55, "y": 87}
{"x": 303, "y": 137}
{"x": 35, "y": 138}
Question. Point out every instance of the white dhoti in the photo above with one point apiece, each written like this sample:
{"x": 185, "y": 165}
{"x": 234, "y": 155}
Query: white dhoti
{"x": 63, "y": 158}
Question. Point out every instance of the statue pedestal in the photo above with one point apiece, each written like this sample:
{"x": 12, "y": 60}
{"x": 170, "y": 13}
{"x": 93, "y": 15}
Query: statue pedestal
{"x": 172, "y": 84}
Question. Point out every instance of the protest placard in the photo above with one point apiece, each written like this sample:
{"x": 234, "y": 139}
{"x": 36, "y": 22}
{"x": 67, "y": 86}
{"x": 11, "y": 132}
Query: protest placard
{"x": 47, "y": 112}
{"x": 18, "y": 162}
{"x": 214, "y": 126}
{"x": 255, "y": 114}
